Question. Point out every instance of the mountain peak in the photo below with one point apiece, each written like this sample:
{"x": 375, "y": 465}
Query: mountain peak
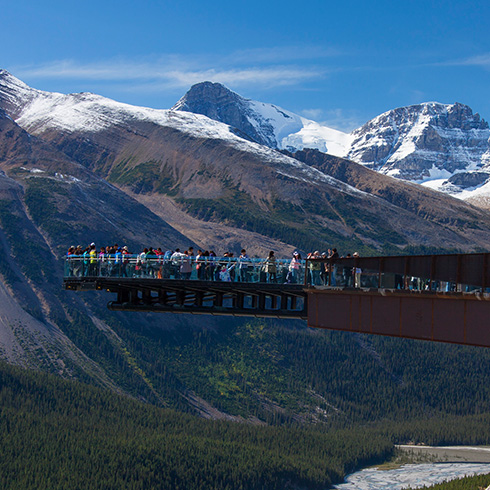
{"x": 448, "y": 116}
{"x": 203, "y": 96}
{"x": 266, "y": 124}
{"x": 423, "y": 142}
{"x": 9, "y": 79}
{"x": 219, "y": 103}
{"x": 5, "y": 74}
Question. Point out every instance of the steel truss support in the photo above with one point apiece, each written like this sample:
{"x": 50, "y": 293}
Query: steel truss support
{"x": 221, "y": 298}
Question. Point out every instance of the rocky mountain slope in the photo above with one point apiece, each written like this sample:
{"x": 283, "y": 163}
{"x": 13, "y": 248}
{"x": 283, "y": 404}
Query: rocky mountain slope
{"x": 204, "y": 168}
{"x": 425, "y": 142}
{"x": 444, "y": 146}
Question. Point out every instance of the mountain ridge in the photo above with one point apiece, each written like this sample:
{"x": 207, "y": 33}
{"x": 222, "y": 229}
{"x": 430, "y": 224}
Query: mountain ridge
{"x": 266, "y": 124}
{"x": 443, "y": 146}
{"x": 216, "y": 175}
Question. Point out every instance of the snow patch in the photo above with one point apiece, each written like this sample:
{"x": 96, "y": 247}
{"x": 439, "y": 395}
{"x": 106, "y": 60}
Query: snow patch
{"x": 293, "y": 132}
{"x": 33, "y": 170}
{"x": 435, "y": 174}
{"x": 68, "y": 178}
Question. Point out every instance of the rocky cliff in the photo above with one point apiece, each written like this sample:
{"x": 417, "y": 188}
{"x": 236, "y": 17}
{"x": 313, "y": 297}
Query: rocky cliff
{"x": 423, "y": 141}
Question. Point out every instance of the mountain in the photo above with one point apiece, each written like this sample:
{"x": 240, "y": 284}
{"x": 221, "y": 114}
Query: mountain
{"x": 443, "y": 146}
{"x": 263, "y": 123}
{"x": 425, "y": 142}
{"x": 188, "y": 166}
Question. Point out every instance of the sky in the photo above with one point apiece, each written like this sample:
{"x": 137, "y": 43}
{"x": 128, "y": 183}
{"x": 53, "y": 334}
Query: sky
{"x": 339, "y": 63}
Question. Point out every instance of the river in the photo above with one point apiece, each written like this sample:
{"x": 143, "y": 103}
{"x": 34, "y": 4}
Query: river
{"x": 448, "y": 463}
{"x": 411, "y": 475}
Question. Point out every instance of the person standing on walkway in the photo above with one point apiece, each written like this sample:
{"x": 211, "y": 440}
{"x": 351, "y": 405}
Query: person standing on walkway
{"x": 357, "y": 272}
{"x": 333, "y": 267}
{"x": 271, "y": 268}
{"x": 244, "y": 263}
{"x": 315, "y": 268}
{"x": 294, "y": 268}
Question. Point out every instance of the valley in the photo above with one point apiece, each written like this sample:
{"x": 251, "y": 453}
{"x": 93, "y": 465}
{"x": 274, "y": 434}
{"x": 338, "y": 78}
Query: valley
{"x": 257, "y": 404}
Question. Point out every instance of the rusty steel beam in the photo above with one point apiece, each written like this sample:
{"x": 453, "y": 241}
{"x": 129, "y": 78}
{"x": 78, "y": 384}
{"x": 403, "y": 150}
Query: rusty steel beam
{"x": 442, "y": 317}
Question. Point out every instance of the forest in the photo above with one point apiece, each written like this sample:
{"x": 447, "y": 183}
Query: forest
{"x": 60, "y": 434}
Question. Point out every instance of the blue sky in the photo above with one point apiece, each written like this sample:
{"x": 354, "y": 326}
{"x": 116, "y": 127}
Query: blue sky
{"x": 340, "y": 63}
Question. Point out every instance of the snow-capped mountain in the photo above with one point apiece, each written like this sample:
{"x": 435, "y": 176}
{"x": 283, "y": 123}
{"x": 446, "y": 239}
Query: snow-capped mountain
{"x": 187, "y": 167}
{"x": 37, "y": 111}
{"x": 442, "y": 146}
{"x": 266, "y": 124}
{"x": 40, "y": 113}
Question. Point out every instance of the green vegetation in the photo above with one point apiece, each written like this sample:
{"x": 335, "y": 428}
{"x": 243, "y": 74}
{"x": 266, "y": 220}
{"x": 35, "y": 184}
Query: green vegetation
{"x": 282, "y": 220}
{"x": 21, "y": 236}
{"x": 57, "y": 435}
{"x": 6, "y": 270}
{"x": 419, "y": 250}
{"x": 68, "y": 213}
{"x": 479, "y": 482}
{"x": 144, "y": 177}
{"x": 62, "y": 434}
{"x": 282, "y": 373}
{"x": 41, "y": 198}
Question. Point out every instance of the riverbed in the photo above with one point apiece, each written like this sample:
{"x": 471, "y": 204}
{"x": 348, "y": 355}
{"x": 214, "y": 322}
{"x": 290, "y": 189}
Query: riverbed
{"x": 411, "y": 476}
{"x": 447, "y": 463}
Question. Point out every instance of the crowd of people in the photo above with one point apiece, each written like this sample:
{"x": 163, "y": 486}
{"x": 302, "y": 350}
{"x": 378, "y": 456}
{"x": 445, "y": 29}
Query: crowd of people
{"x": 328, "y": 273}
{"x": 118, "y": 261}
{"x": 320, "y": 269}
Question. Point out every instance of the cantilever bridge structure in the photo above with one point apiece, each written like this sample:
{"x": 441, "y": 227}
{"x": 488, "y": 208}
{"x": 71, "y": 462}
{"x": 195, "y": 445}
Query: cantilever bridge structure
{"x": 443, "y": 298}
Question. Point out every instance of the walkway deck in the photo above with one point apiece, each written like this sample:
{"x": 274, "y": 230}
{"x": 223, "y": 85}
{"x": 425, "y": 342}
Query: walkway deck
{"x": 439, "y": 297}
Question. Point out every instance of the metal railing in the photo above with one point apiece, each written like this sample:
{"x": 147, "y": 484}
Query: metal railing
{"x": 439, "y": 273}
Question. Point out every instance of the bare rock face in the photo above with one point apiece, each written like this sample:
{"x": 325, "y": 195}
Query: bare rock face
{"x": 417, "y": 142}
{"x": 465, "y": 180}
{"x": 221, "y": 104}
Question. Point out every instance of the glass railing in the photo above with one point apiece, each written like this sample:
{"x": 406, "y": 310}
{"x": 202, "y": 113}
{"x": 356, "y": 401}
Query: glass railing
{"x": 225, "y": 269}
{"x": 340, "y": 273}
